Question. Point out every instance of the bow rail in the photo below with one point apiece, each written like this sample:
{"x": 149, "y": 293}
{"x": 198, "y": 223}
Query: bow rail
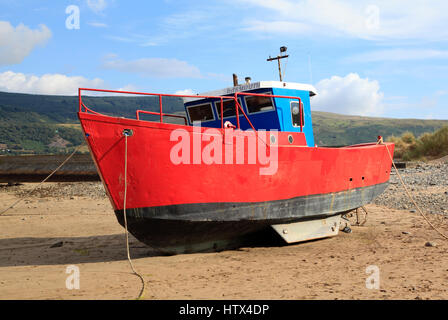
{"x": 84, "y": 108}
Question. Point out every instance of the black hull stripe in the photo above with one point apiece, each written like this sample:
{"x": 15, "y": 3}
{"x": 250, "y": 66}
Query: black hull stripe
{"x": 215, "y": 226}
{"x": 291, "y": 209}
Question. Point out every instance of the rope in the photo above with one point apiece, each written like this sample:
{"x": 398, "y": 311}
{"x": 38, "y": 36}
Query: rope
{"x": 142, "y": 291}
{"x": 409, "y": 195}
{"x": 124, "y": 204}
{"x": 49, "y": 176}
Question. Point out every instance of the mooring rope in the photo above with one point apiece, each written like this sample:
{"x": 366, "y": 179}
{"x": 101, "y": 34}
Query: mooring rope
{"x": 48, "y": 177}
{"x": 142, "y": 291}
{"x": 408, "y": 193}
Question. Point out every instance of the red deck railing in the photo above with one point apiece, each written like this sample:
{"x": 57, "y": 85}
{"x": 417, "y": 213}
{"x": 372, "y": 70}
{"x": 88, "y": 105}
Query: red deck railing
{"x": 161, "y": 114}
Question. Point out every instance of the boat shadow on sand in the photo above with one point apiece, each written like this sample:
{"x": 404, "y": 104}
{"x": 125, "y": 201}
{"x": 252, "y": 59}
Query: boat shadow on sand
{"x": 29, "y": 251}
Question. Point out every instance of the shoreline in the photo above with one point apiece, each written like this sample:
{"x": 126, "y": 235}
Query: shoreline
{"x": 56, "y": 228}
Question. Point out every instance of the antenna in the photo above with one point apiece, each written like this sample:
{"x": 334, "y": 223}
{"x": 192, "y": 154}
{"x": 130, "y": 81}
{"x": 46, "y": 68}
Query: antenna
{"x": 281, "y": 56}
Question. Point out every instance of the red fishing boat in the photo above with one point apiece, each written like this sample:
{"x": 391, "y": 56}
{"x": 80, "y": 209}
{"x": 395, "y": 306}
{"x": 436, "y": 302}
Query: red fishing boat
{"x": 243, "y": 162}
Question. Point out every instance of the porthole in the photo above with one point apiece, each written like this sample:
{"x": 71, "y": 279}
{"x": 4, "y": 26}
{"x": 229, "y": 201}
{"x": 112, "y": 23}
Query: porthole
{"x": 272, "y": 139}
{"x": 290, "y": 139}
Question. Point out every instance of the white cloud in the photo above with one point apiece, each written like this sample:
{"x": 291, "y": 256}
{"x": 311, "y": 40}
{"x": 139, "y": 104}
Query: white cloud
{"x": 129, "y": 87}
{"x": 141, "y": 40}
{"x": 53, "y": 84}
{"x": 386, "y": 20}
{"x": 432, "y": 103}
{"x": 121, "y": 39}
{"x": 184, "y": 21}
{"x": 187, "y": 92}
{"x": 97, "y": 6}
{"x": 398, "y": 55}
{"x": 349, "y": 95}
{"x": 17, "y": 43}
{"x": 155, "y": 67}
{"x": 188, "y": 24}
{"x": 97, "y": 24}
{"x": 291, "y": 27}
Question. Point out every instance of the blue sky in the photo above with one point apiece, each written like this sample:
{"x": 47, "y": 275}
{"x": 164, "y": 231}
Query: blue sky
{"x": 377, "y": 58}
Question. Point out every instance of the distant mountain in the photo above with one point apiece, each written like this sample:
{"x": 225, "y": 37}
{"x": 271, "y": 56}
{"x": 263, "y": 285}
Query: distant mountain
{"x": 48, "y": 124}
{"x": 32, "y": 123}
{"x": 62, "y": 109}
{"x": 336, "y": 129}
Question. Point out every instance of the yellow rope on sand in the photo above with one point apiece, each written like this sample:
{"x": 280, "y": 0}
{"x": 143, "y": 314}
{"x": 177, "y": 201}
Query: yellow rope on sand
{"x": 49, "y": 176}
{"x": 124, "y": 205}
{"x": 380, "y": 141}
{"x": 142, "y": 291}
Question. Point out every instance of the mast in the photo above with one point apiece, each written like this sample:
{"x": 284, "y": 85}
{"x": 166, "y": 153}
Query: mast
{"x": 235, "y": 80}
{"x": 281, "y": 56}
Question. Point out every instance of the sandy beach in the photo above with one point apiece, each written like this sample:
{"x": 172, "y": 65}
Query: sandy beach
{"x": 54, "y": 229}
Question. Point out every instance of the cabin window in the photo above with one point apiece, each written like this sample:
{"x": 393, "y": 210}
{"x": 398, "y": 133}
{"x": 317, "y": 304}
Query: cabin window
{"x": 202, "y": 112}
{"x": 228, "y": 108}
{"x": 297, "y": 114}
{"x": 259, "y": 104}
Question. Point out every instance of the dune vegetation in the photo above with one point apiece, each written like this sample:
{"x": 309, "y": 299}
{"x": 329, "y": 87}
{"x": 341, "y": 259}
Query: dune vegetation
{"x": 426, "y": 147}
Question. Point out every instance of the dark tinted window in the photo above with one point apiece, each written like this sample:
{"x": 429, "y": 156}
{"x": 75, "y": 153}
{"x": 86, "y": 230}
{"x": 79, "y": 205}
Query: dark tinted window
{"x": 297, "y": 114}
{"x": 259, "y": 104}
{"x": 202, "y": 112}
{"x": 228, "y": 108}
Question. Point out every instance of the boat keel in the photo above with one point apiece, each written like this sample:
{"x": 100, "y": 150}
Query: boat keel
{"x": 308, "y": 230}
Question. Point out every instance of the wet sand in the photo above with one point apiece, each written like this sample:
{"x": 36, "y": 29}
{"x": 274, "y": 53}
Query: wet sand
{"x": 92, "y": 239}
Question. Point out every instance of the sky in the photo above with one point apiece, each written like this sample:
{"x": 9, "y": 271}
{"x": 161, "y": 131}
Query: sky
{"x": 374, "y": 58}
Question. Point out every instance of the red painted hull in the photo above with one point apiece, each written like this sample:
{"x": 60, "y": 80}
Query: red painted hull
{"x": 154, "y": 181}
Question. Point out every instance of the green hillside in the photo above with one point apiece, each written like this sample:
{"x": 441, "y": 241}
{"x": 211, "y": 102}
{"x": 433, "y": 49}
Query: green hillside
{"x": 62, "y": 109}
{"x": 49, "y": 124}
{"x": 32, "y": 123}
{"x": 335, "y": 129}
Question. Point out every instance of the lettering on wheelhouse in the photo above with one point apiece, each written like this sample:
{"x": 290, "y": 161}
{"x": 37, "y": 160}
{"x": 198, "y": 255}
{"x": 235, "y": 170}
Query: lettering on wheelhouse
{"x": 243, "y": 87}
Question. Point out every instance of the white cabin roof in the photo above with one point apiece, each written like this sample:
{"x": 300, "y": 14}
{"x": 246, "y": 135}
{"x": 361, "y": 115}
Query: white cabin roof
{"x": 258, "y": 85}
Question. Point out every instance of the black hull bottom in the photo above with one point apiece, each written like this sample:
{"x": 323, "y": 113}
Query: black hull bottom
{"x": 217, "y": 226}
